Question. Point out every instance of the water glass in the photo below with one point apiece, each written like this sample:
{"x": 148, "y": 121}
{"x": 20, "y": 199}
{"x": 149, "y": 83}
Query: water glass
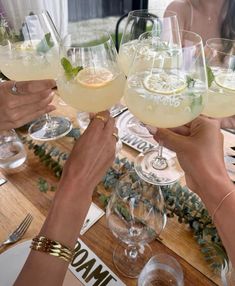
{"x": 162, "y": 269}
{"x": 12, "y": 152}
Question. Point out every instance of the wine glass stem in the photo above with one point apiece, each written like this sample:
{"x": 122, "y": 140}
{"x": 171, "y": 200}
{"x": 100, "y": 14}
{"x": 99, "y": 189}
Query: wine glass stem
{"x": 48, "y": 118}
{"x": 159, "y": 162}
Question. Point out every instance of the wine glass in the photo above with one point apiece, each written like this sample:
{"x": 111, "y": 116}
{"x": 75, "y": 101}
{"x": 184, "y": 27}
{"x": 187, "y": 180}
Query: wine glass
{"x": 30, "y": 51}
{"x": 135, "y": 215}
{"x": 90, "y": 79}
{"x": 166, "y": 89}
{"x": 220, "y": 58}
{"x": 138, "y": 22}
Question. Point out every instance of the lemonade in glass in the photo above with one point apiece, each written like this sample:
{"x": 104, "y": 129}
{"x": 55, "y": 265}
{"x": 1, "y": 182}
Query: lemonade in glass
{"x": 220, "y": 56}
{"x": 90, "y": 78}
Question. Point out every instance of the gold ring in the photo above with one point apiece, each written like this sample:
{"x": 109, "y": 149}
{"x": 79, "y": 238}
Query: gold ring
{"x": 101, "y": 118}
{"x": 116, "y": 136}
{"x": 14, "y": 89}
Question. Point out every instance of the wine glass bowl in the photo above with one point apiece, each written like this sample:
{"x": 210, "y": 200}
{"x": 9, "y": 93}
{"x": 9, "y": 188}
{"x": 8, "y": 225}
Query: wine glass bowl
{"x": 135, "y": 215}
{"x": 220, "y": 58}
{"x": 138, "y": 22}
{"x": 90, "y": 78}
{"x": 29, "y": 50}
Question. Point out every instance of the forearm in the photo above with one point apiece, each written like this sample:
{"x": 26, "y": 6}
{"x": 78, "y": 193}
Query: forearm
{"x": 212, "y": 195}
{"x": 63, "y": 224}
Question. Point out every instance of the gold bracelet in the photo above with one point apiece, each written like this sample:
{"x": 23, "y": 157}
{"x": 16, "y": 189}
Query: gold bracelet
{"x": 220, "y": 204}
{"x": 52, "y": 247}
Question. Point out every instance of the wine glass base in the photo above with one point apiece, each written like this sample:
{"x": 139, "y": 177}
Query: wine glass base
{"x": 129, "y": 262}
{"x": 43, "y": 130}
{"x": 146, "y": 169}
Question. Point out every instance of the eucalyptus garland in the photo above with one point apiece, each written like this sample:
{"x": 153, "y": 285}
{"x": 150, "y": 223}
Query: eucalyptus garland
{"x": 179, "y": 201}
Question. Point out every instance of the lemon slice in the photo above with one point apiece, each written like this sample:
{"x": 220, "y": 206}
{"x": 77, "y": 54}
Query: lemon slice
{"x": 226, "y": 80}
{"x": 164, "y": 83}
{"x": 94, "y": 77}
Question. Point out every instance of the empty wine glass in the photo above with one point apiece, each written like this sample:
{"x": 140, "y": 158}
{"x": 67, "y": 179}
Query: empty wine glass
{"x": 30, "y": 51}
{"x": 166, "y": 89}
{"x": 138, "y": 22}
{"x": 135, "y": 215}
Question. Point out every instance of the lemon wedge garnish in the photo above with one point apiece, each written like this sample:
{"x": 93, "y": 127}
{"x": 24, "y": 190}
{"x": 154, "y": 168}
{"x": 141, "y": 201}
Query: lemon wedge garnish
{"x": 164, "y": 83}
{"x": 226, "y": 80}
{"x": 94, "y": 77}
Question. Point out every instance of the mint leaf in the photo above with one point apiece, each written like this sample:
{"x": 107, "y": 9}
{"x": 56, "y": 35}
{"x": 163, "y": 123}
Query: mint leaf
{"x": 210, "y": 76}
{"x": 69, "y": 70}
{"x": 190, "y": 81}
{"x": 45, "y": 44}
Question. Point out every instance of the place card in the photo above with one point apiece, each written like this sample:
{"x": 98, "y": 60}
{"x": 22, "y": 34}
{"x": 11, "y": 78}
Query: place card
{"x": 93, "y": 215}
{"x": 139, "y": 139}
{"x": 90, "y": 270}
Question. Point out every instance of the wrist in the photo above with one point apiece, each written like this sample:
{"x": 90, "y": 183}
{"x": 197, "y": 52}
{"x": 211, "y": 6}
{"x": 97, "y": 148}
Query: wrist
{"x": 213, "y": 188}
{"x": 67, "y": 213}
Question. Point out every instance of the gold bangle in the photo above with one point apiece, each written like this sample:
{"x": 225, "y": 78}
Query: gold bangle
{"x": 52, "y": 247}
{"x": 220, "y": 204}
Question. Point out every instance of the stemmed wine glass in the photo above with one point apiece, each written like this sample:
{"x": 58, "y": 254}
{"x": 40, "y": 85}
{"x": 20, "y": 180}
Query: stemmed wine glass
{"x": 220, "y": 58}
{"x": 135, "y": 215}
{"x": 30, "y": 51}
{"x": 90, "y": 78}
{"x": 138, "y": 22}
{"x": 166, "y": 89}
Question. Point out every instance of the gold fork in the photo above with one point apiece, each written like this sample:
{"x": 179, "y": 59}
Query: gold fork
{"x": 18, "y": 233}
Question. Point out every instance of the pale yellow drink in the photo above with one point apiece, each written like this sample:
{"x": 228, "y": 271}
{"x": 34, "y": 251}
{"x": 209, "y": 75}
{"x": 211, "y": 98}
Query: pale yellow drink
{"x": 164, "y": 100}
{"x": 221, "y": 94}
{"x": 158, "y": 54}
{"x": 23, "y": 62}
{"x": 92, "y": 90}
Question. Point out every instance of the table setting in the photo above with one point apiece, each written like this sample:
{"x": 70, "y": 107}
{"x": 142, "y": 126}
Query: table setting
{"x": 143, "y": 220}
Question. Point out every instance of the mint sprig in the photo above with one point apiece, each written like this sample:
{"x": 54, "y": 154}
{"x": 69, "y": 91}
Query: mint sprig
{"x": 45, "y": 44}
{"x": 190, "y": 81}
{"x": 210, "y": 76}
{"x": 69, "y": 70}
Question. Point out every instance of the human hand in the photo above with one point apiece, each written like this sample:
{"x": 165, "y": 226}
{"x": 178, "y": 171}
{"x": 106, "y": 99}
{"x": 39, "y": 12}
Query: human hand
{"x": 199, "y": 148}
{"x": 32, "y": 100}
{"x": 227, "y": 122}
{"x": 92, "y": 154}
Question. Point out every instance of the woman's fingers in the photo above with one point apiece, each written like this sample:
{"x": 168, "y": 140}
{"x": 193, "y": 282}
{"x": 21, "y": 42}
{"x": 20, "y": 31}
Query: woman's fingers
{"x": 34, "y": 86}
{"x": 32, "y": 99}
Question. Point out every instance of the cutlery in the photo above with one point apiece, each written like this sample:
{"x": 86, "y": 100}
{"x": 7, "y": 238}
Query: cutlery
{"x": 18, "y": 233}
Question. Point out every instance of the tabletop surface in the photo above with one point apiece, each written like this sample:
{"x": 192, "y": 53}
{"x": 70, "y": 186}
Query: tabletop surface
{"x": 21, "y": 195}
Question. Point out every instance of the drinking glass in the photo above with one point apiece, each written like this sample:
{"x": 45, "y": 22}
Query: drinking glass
{"x": 220, "y": 58}
{"x": 135, "y": 215}
{"x": 30, "y": 51}
{"x": 138, "y": 22}
{"x": 162, "y": 269}
{"x": 166, "y": 89}
{"x": 90, "y": 79}
{"x": 12, "y": 152}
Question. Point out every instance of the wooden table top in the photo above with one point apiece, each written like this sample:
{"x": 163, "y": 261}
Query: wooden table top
{"x": 20, "y": 195}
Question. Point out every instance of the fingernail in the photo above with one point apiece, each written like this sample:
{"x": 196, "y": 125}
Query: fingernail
{"x": 52, "y": 94}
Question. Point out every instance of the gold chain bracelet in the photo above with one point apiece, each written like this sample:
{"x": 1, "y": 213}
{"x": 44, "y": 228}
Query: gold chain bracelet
{"x": 52, "y": 247}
